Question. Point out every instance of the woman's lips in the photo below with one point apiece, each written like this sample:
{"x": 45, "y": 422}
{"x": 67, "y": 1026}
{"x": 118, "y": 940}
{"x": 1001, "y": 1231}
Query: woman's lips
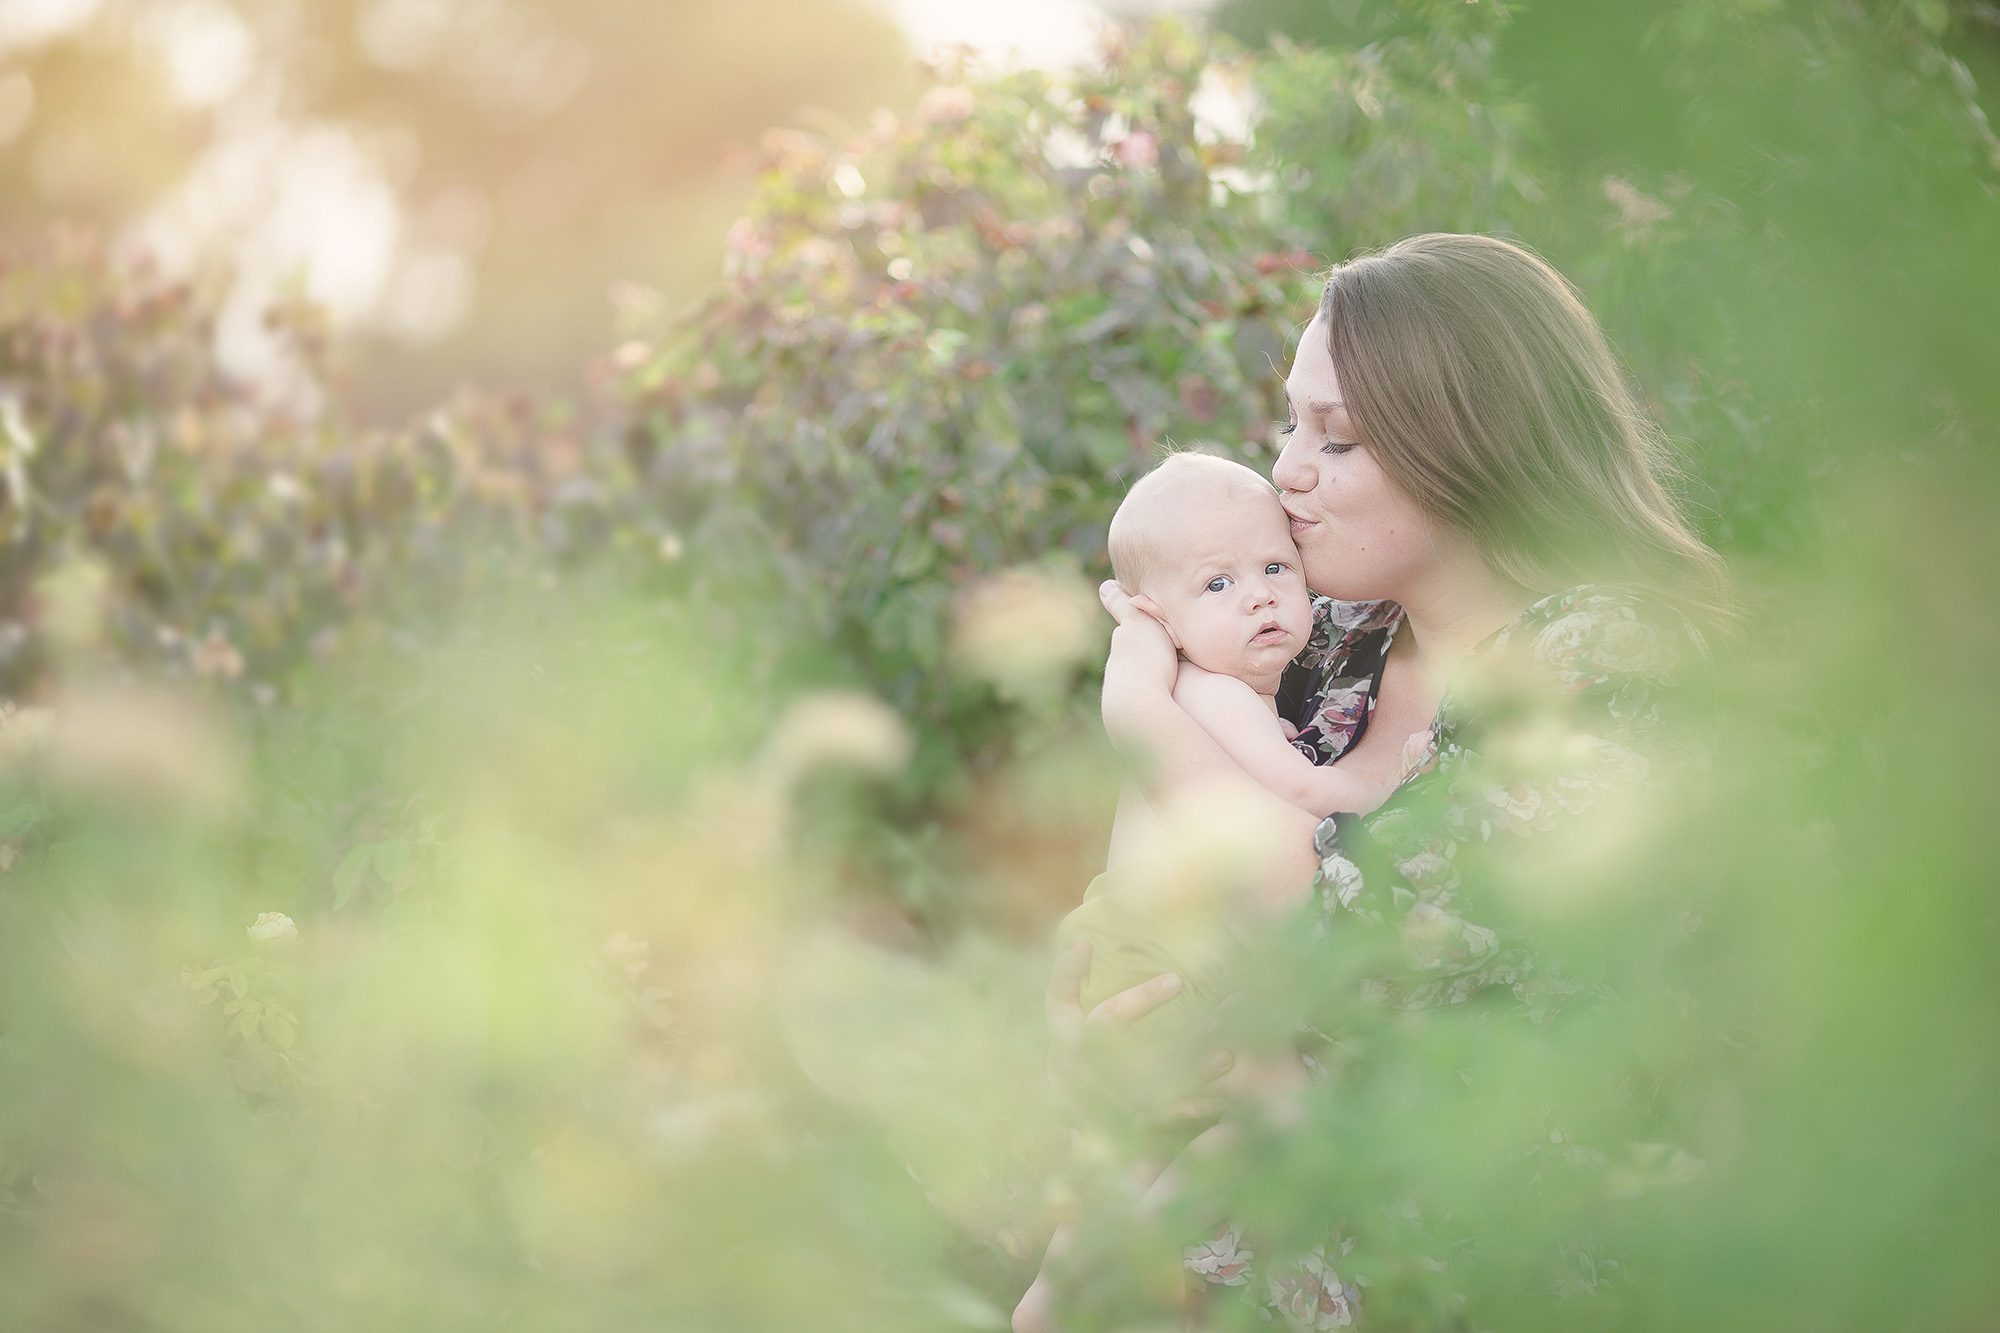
{"x": 1299, "y": 524}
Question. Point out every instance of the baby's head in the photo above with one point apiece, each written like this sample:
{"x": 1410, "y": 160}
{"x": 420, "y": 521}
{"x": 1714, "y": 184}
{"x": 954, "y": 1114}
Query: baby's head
{"x": 1203, "y": 544}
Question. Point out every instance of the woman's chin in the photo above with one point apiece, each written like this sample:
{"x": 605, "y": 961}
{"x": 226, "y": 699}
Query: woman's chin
{"x": 1342, "y": 589}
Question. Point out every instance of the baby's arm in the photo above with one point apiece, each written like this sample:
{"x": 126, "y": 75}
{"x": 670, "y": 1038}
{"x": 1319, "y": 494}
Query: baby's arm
{"x": 1243, "y": 725}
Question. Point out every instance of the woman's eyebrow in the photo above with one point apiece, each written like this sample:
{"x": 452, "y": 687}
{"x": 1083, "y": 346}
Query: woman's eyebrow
{"x": 1319, "y": 405}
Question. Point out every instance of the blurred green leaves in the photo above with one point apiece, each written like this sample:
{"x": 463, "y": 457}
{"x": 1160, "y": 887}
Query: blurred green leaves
{"x": 578, "y": 868}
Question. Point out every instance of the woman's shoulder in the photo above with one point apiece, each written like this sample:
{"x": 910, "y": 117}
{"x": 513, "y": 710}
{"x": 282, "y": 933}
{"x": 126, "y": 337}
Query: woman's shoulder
{"x": 1596, "y": 633}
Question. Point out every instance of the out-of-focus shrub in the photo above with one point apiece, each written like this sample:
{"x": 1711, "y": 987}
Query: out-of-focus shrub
{"x": 529, "y": 908}
{"x": 945, "y": 345}
{"x": 161, "y": 514}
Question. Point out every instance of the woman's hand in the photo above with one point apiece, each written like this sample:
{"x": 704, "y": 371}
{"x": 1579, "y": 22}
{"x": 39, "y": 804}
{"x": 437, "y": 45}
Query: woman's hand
{"x": 1084, "y": 1048}
{"x": 1139, "y": 673}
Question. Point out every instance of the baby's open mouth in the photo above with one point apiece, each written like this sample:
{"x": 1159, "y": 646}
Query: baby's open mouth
{"x": 1271, "y": 633}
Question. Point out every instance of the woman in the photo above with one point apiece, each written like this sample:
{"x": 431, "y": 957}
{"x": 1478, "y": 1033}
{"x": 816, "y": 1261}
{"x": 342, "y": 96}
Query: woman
{"x": 1482, "y": 506}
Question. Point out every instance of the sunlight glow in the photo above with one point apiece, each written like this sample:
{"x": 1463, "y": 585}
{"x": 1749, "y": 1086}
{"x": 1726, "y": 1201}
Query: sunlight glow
{"x": 31, "y": 22}
{"x": 208, "y": 51}
{"x": 1038, "y": 33}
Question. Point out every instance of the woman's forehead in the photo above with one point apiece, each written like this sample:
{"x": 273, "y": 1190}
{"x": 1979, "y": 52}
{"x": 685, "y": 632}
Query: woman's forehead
{"x": 1314, "y": 385}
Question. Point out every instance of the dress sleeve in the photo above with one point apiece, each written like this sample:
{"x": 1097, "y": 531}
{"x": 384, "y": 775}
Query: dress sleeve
{"x": 1548, "y": 754}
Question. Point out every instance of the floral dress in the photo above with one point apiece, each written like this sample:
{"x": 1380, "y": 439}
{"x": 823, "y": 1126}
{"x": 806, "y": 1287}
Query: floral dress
{"x": 1558, "y": 713}
{"x": 1329, "y": 691}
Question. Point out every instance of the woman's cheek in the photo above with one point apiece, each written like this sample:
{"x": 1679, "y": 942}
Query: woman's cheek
{"x": 1332, "y": 567}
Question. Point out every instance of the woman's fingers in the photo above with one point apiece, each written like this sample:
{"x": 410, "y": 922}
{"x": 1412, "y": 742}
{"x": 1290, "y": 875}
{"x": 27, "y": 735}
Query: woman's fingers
{"x": 1135, "y": 1001}
{"x": 1212, "y": 1100}
{"x": 1087, "y": 1054}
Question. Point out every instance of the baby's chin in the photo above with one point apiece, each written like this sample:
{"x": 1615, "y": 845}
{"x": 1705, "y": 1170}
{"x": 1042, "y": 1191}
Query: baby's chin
{"x": 1261, "y": 670}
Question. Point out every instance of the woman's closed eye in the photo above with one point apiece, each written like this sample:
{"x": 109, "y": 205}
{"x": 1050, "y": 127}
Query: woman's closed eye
{"x": 1326, "y": 447}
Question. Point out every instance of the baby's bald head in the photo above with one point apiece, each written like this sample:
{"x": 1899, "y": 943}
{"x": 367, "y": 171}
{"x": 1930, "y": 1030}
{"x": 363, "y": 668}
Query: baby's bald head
{"x": 1145, "y": 532}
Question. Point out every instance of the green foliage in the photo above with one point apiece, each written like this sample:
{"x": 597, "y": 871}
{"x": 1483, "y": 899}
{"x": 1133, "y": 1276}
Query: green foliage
{"x": 201, "y": 527}
{"x": 947, "y": 343}
{"x": 420, "y": 878}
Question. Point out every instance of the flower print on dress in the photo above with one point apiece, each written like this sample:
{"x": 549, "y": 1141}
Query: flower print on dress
{"x": 1611, "y": 768}
{"x": 1342, "y": 708}
{"x": 1603, "y": 637}
{"x": 1437, "y": 938}
{"x": 1521, "y": 807}
{"x": 1310, "y": 1295}
{"x": 1334, "y": 678}
{"x": 1561, "y": 717}
{"x": 1596, "y": 634}
{"x": 1338, "y": 627}
{"x": 1340, "y": 879}
{"x": 1431, "y": 873}
{"x": 1420, "y": 753}
{"x": 1335, "y": 721}
{"x": 1220, "y": 1260}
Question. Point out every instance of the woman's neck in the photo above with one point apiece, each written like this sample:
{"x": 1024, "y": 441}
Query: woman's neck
{"x": 1452, "y": 613}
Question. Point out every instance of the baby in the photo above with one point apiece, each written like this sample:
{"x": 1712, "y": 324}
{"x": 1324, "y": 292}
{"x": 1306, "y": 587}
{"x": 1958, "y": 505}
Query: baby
{"x": 1203, "y": 545}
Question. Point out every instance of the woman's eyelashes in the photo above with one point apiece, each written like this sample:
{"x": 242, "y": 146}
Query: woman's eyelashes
{"x": 1327, "y": 447}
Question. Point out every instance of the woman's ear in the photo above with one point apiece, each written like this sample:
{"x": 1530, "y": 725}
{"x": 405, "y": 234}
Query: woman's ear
{"x": 1152, "y": 608}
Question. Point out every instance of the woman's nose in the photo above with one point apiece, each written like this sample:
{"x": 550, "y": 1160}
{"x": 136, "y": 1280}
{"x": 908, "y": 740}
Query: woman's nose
{"x": 1293, "y": 470}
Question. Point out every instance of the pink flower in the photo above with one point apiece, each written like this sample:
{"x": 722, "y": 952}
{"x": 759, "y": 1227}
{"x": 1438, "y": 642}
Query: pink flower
{"x": 1310, "y": 1295}
{"x": 746, "y": 240}
{"x": 1221, "y": 1259}
{"x": 946, "y": 104}
{"x": 216, "y": 656}
{"x": 1140, "y": 150}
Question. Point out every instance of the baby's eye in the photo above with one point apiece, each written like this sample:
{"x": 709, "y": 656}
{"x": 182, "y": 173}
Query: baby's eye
{"x": 1220, "y": 583}
{"x": 1276, "y": 567}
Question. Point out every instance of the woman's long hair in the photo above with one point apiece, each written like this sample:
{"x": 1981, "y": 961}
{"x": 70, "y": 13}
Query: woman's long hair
{"x": 1488, "y": 393}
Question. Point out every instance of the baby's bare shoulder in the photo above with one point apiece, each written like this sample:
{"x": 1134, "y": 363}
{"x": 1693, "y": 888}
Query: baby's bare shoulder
{"x": 1210, "y": 693}
{"x": 1200, "y": 680}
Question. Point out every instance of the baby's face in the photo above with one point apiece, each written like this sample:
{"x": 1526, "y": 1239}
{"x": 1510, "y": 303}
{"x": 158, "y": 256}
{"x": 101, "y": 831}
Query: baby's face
{"x": 1235, "y": 596}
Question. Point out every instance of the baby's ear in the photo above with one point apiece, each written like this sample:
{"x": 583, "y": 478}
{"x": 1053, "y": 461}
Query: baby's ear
{"x": 1152, "y": 608}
